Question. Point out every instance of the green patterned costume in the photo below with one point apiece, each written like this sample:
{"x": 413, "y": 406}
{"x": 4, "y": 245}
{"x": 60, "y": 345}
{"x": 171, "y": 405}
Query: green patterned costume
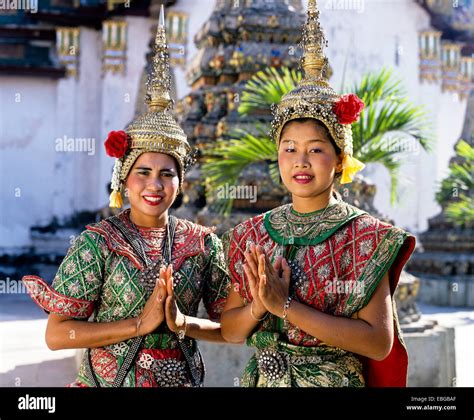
{"x": 100, "y": 276}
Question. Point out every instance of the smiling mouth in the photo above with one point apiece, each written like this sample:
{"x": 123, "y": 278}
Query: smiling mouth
{"x": 152, "y": 200}
{"x": 303, "y": 179}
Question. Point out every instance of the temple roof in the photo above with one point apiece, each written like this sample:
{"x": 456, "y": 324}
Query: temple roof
{"x": 456, "y": 22}
{"x": 28, "y": 37}
{"x": 245, "y": 37}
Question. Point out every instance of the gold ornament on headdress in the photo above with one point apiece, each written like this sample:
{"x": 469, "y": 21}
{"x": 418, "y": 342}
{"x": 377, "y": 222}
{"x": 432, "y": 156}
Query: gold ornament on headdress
{"x": 314, "y": 62}
{"x": 314, "y": 97}
{"x": 156, "y": 130}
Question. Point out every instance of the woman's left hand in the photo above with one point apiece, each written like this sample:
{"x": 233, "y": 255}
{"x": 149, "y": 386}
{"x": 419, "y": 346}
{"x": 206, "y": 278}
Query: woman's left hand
{"x": 175, "y": 319}
{"x": 273, "y": 289}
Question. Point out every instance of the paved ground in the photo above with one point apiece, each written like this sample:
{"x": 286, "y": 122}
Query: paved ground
{"x": 25, "y": 359}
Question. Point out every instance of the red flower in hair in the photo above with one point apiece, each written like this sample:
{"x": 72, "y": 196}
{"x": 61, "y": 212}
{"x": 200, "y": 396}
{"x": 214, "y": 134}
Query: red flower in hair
{"x": 116, "y": 144}
{"x": 348, "y": 108}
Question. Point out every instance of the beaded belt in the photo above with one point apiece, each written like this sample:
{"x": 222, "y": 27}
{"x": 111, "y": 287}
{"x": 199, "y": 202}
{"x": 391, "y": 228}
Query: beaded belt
{"x": 167, "y": 372}
{"x": 274, "y": 364}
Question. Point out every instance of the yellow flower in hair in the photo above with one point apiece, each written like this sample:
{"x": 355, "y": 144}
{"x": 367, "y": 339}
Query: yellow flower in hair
{"x": 116, "y": 200}
{"x": 350, "y": 166}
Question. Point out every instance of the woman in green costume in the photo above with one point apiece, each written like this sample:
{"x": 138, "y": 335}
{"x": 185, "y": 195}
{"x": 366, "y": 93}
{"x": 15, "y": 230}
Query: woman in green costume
{"x": 143, "y": 273}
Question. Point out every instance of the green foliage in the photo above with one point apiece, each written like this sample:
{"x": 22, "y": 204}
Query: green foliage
{"x": 459, "y": 185}
{"x": 388, "y": 124}
{"x": 266, "y": 88}
{"x": 230, "y": 158}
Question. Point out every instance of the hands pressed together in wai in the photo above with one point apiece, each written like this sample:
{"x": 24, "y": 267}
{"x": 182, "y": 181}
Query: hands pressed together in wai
{"x": 269, "y": 284}
{"x": 161, "y": 306}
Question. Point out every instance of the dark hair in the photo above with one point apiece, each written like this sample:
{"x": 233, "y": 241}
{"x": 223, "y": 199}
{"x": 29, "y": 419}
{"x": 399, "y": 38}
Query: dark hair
{"x": 326, "y": 131}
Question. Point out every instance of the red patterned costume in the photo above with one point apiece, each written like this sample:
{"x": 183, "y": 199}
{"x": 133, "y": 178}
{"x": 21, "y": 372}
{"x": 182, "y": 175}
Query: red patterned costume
{"x": 337, "y": 257}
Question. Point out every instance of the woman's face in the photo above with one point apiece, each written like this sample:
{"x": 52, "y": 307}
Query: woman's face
{"x": 152, "y": 185}
{"x": 307, "y": 159}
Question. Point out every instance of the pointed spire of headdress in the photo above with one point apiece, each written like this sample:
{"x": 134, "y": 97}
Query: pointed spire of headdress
{"x": 156, "y": 130}
{"x": 158, "y": 87}
{"x": 314, "y": 98}
{"x": 314, "y": 62}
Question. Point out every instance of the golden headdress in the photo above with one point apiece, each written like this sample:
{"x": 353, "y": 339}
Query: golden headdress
{"x": 154, "y": 131}
{"x": 315, "y": 98}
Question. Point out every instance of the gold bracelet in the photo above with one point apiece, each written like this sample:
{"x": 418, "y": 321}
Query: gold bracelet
{"x": 253, "y": 316}
{"x": 182, "y": 332}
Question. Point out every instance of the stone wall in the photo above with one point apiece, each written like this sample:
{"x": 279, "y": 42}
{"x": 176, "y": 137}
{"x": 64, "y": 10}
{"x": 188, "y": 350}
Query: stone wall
{"x": 432, "y": 358}
{"x": 449, "y": 291}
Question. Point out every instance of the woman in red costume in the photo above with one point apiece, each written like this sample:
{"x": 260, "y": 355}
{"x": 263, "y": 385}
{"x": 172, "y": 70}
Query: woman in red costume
{"x": 314, "y": 280}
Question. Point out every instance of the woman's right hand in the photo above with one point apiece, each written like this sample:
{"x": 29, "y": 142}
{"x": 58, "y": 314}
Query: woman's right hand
{"x": 251, "y": 271}
{"x": 153, "y": 313}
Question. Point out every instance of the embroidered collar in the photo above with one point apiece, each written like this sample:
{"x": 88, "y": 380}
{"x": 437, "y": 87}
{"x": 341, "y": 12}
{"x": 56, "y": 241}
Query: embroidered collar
{"x": 188, "y": 241}
{"x": 287, "y": 227}
{"x": 153, "y": 237}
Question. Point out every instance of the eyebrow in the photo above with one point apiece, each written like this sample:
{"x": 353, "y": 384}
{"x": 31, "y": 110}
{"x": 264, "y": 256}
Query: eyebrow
{"x": 307, "y": 141}
{"x": 144, "y": 168}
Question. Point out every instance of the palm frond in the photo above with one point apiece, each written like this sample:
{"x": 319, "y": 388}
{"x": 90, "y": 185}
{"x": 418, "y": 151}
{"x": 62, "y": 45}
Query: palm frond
{"x": 387, "y": 111}
{"x": 457, "y": 188}
{"x": 230, "y": 158}
{"x": 461, "y": 212}
{"x": 266, "y": 88}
